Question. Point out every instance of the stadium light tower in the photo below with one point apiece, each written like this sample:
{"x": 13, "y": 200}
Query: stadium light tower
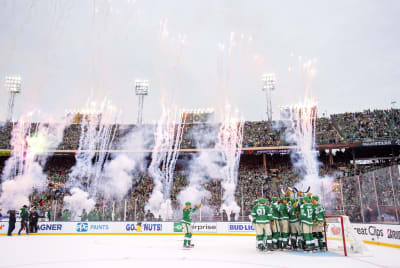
{"x": 269, "y": 81}
{"x": 13, "y": 86}
{"x": 141, "y": 89}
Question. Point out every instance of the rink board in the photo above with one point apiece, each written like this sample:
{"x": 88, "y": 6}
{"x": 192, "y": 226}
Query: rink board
{"x": 376, "y": 234}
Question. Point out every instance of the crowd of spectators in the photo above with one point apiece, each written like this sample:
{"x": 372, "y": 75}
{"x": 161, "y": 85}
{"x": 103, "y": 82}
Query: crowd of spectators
{"x": 261, "y": 134}
{"x": 368, "y": 196}
{"x": 326, "y": 133}
{"x": 364, "y": 191}
{"x": 369, "y": 125}
{"x": 5, "y": 135}
{"x": 348, "y": 127}
{"x": 339, "y": 128}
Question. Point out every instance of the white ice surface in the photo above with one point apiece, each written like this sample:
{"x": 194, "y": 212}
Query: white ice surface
{"x": 166, "y": 251}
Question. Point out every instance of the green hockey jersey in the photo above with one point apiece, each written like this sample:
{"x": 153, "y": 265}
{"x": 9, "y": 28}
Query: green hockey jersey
{"x": 283, "y": 212}
{"x": 84, "y": 216}
{"x": 275, "y": 211}
{"x": 261, "y": 214}
{"x": 187, "y": 215}
{"x": 319, "y": 213}
{"x": 307, "y": 213}
{"x": 22, "y": 212}
{"x": 293, "y": 213}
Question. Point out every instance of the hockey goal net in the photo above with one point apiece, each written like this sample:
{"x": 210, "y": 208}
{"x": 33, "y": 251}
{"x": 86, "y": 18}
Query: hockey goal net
{"x": 341, "y": 238}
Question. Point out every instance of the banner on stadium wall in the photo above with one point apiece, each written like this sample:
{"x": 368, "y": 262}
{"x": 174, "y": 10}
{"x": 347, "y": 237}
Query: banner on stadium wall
{"x": 382, "y": 233}
{"x": 198, "y": 227}
{"x": 273, "y": 151}
{"x": 240, "y": 227}
{"x": 96, "y": 227}
{"x": 43, "y": 227}
{"x": 148, "y": 227}
{"x": 381, "y": 143}
{"x": 378, "y": 233}
{"x": 3, "y": 227}
{"x": 54, "y": 227}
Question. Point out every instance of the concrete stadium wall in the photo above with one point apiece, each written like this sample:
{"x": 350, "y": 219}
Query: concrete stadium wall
{"x": 377, "y": 234}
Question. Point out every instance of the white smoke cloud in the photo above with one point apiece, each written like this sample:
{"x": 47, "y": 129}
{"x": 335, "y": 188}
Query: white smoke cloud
{"x": 207, "y": 166}
{"x": 121, "y": 172}
{"x": 23, "y": 171}
{"x": 117, "y": 177}
{"x": 168, "y": 137}
{"x": 299, "y": 123}
{"x": 203, "y": 167}
{"x": 124, "y": 170}
{"x": 78, "y": 201}
{"x": 229, "y": 204}
{"x": 157, "y": 204}
{"x": 15, "y": 192}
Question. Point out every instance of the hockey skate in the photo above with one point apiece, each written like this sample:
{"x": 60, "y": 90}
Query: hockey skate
{"x": 309, "y": 248}
{"x": 315, "y": 250}
{"x": 260, "y": 247}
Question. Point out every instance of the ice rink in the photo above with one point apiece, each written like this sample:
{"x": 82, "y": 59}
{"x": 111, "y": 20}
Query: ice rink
{"x": 166, "y": 251}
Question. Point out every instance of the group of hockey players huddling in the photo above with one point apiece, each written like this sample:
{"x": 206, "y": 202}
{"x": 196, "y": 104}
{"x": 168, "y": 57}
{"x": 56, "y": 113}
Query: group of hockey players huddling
{"x": 289, "y": 223}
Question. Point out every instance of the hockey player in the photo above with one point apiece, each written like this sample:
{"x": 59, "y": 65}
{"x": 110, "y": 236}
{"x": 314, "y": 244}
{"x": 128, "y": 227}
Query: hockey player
{"x": 319, "y": 223}
{"x": 187, "y": 223}
{"x": 255, "y": 203}
{"x": 275, "y": 221}
{"x": 284, "y": 222}
{"x": 251, "y": 216}
{"x": 261, "y": 215}
{"x": 306, "y": 217}
{"x": 24, "y": 220}
{"x": 294, "y": 224}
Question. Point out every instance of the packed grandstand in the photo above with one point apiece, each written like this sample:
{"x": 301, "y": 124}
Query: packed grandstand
{"x": 360, "y": 150}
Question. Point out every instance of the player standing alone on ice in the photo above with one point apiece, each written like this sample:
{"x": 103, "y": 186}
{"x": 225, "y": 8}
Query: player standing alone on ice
{"x": 187, "y": 224}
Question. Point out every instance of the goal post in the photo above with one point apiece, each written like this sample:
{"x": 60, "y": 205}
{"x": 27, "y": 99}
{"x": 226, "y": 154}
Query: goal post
{"x": 341, "y": 238}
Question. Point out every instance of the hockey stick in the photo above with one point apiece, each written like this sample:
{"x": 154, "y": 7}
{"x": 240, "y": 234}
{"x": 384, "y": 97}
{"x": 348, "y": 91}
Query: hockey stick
{"x": 295, "y": 191}
{"x": 282, "y": 191}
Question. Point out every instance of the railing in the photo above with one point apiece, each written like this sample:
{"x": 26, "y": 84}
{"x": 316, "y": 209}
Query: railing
{"x": 372, "y": 197}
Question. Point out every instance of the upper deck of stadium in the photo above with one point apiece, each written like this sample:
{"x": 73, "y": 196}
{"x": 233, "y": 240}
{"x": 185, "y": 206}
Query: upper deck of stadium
{"x": 346, "y": 130}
